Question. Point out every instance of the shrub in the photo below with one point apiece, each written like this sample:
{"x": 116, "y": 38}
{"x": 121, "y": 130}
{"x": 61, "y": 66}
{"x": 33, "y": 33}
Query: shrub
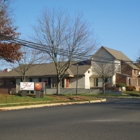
{"x": 120, "y": 85}
{"x": 130, "y": 88}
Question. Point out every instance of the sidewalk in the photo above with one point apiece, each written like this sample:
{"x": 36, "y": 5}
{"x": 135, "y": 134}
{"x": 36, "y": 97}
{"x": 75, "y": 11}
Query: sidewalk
{"x": 47, "y": 105}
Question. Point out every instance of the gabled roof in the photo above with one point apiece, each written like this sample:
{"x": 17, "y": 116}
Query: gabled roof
{"x": 115, "y": 53}
{"x": 81, "y": 69}
{"x": 118, "y": 55}
{"x": 47, "y": 70}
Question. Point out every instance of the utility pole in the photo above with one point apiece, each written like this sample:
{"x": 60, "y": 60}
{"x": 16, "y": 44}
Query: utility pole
{"x": 77, "y": 80}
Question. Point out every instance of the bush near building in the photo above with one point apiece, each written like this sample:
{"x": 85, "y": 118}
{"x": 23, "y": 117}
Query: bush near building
{"x": 120, "y": 85}
{"x": 130, "y": 88}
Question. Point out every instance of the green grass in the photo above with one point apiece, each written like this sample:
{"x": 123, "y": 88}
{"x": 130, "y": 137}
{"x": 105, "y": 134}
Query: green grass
{"x": 14, "y": 100}
{"x": 132, "y": 93}
{"x": 6, "y": 98}
{"x": 105, "y": 95}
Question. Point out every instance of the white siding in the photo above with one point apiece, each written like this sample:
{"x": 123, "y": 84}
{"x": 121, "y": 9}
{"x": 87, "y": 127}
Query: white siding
{"x": 91, "y": 82}
{"x": 114, "y": 79}
{"x": 106, "y": 56}
{"x": 88, "y": 73}
{"x": 102, "y": 55}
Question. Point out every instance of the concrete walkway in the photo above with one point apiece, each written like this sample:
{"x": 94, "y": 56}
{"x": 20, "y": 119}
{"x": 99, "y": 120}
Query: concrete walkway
{"x": 47, "y": 105}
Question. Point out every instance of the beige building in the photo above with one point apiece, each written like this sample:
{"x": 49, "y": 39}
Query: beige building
{"x": 82, "y": 75}
{"x": 119, "y": 67}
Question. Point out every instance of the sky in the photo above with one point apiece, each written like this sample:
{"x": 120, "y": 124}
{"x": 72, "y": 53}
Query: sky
{"x": 116, "y": 23}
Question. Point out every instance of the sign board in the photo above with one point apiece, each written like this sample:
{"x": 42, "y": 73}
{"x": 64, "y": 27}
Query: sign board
{"x": 26, "y": 85}
{"x": 38, "y": 86}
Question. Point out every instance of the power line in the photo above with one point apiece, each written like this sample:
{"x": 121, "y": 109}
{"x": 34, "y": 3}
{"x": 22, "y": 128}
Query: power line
{"x": 43, "y": 48}
{"x": 49, "y": 49}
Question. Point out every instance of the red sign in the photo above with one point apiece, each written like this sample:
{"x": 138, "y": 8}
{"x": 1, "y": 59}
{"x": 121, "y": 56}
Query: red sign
{"x": 38, "y": 86}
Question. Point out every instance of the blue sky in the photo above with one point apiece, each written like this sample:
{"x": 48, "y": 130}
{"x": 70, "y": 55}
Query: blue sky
{"x": 116, "y": 23}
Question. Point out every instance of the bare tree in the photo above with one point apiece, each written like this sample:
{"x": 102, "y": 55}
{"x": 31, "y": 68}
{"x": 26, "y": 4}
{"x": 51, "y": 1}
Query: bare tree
{"x": 104, "y": 69}
{"x": 138, "y": 58}
{"x": 30, "y": 57}
{"x": 64, "y": 38}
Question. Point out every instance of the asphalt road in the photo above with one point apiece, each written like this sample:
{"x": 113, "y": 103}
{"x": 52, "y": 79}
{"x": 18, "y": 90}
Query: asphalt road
{"x": 116, "y": 119}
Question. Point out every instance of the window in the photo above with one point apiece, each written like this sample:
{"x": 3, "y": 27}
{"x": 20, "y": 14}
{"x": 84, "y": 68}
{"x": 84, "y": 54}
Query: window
{"x": 40, "y": 80}
{"x": 4, "y": 82}
{"x": 12, "y": 82}
{"x": 106, "y": 80}
{"x": 1, "y": 82}
{"x": 96, "y": 82}
{"x": 49, "y": 80}
{"x": 135, "y": 71}
{"x": 54, "y": 82}
{"x": 30, "y": 80}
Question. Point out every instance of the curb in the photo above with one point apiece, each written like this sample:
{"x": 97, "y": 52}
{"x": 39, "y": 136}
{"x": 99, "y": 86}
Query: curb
{"x": 48, "y": 105}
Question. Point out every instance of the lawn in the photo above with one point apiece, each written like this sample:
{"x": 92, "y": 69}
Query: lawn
{"x": 132, "y": 93}
{"x": 13, "y": 100}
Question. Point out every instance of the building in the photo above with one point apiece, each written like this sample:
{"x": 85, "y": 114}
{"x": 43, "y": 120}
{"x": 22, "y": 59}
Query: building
{"x": 78, "y": 72}
{"x": 122, "y": 69}
{"x": 79, "y": 75}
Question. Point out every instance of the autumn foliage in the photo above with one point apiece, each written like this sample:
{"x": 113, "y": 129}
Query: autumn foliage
{"x": 8, "y": 51}
{"x": 130, "y": 88}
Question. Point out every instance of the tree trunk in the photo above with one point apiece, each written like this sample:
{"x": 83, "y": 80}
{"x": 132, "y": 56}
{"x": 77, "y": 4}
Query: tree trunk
{"x": 58, "y": 87}
{"x": 103, "y": 87}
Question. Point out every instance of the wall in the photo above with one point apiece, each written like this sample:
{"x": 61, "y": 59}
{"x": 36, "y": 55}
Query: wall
{"x": 109, "y": 64}
{"x": 113, "y": 79}
{"x": 91, "y": 82}
{"x": 126, "y": 69}
{"x": 102, "y": 54}
{"x": 17, "y": 85}
{"x": 121, "y": 79}
{"x": 80, "y": 84}
{"x": 117, "y": 66}
{"x": 88, "y": 73}
{"x": 7, "y": 86}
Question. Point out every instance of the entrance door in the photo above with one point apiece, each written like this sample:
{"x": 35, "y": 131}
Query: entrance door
{"x": 67, "y": 82}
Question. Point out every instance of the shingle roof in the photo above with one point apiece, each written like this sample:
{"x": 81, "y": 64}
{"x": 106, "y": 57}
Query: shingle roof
{"x": 81, "y": 69}
{"x": 47, "y": 70}
{"x": 119, "y": 56}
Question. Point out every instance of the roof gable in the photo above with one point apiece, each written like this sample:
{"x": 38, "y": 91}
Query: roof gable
{"x": 117, "y": 54}
{"x": 110, "y": 53}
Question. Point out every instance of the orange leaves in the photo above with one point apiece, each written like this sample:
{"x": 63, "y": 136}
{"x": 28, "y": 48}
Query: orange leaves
{"x": 9, "y": 52}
